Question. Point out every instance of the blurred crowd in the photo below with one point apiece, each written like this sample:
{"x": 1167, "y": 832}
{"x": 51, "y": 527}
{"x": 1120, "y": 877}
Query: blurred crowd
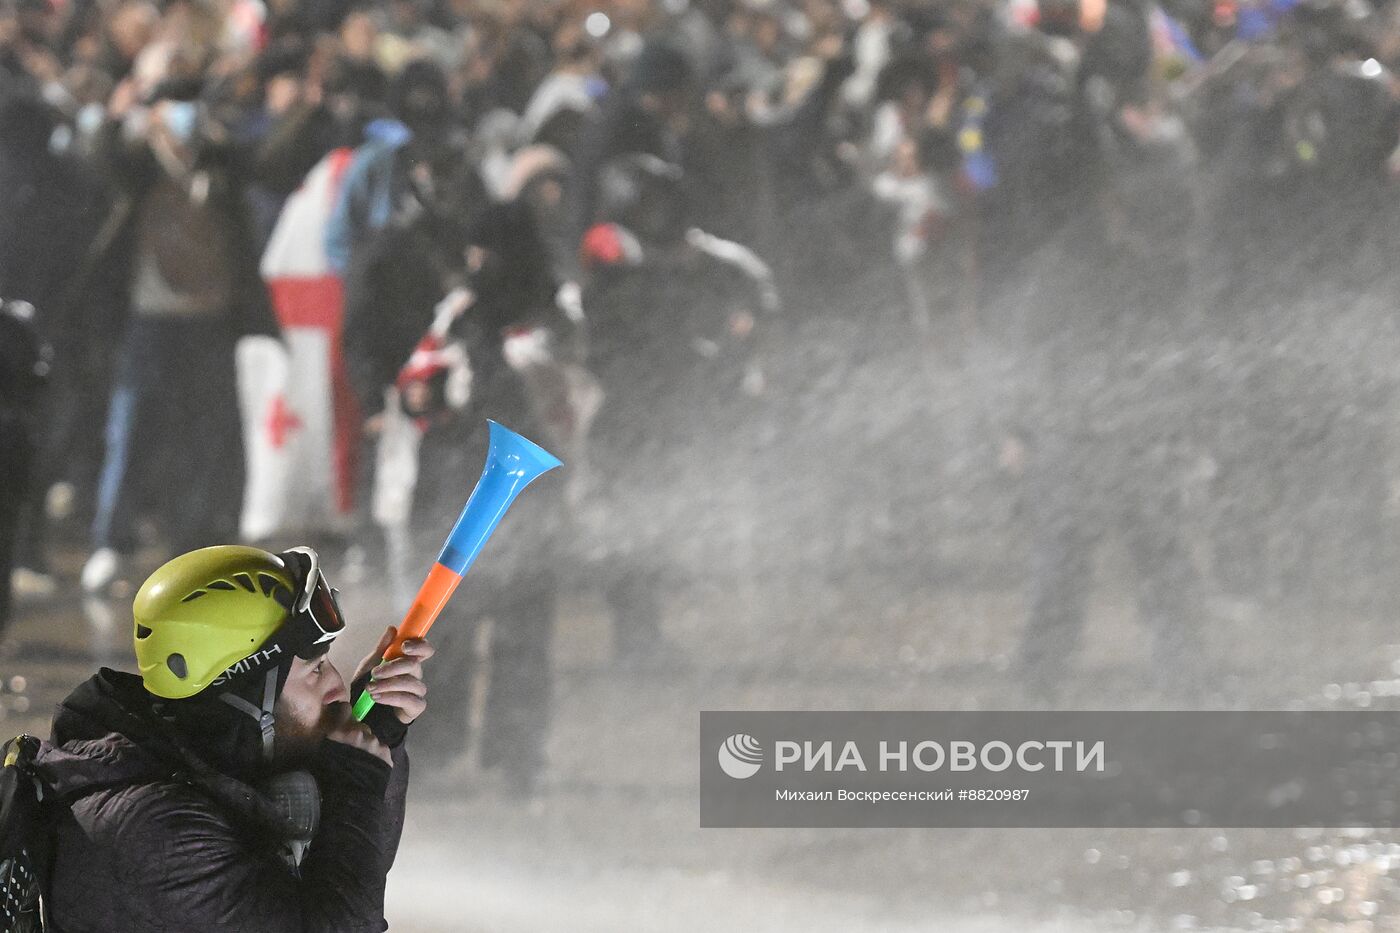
{"x": 278, "y": 260}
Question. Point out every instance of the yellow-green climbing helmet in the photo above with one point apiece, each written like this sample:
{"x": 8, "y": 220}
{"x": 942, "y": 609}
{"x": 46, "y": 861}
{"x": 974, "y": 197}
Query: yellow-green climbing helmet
{"x": 204, "y": 611}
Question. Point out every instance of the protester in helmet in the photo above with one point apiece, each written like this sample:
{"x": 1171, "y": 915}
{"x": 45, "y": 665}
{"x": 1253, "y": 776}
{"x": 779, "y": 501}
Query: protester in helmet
{"x": 180, "y": 802}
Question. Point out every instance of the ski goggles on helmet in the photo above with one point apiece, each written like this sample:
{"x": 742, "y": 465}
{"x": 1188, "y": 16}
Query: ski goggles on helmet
{"x": 315, "y": 618}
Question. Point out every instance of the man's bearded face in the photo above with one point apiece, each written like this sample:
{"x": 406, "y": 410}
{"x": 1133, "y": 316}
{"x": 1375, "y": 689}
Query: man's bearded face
{"x": 313, "y": 702}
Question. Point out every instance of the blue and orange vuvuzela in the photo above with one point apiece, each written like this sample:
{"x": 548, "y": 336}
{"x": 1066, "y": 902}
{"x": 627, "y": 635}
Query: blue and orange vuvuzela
{"x": 512, "y": 463}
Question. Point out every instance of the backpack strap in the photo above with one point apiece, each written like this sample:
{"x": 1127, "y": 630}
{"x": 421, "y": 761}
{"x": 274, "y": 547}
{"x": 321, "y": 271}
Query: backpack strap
{"x": 26, "y": 845}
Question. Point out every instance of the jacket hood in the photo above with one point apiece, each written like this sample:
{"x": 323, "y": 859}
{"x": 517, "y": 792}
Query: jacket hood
{"x": 106, "y": 735}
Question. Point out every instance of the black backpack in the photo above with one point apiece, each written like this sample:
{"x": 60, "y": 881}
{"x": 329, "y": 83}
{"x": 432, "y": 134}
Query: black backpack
{"x": 26, "y": 838}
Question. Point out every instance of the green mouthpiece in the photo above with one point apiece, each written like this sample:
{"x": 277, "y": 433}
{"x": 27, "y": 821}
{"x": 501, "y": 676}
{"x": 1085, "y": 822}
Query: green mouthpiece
{"x": 362, "y": 706}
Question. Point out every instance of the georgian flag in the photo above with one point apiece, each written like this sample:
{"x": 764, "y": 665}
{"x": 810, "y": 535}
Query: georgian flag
{"x": 300, "y": 420}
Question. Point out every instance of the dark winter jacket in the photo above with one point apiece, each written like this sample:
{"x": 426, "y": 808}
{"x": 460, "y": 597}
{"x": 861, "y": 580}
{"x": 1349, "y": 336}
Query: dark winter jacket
{"x": 135, "y": 173}
{"x": 47, "y": 206}
{"x": 392, "y": 287}
{"x": 149, "y": 838}
{"x": 24, "y": 363}
{"x": 621, "y": 126}
{"x": 397, "y": 279}
{"x": 390, "y": 299}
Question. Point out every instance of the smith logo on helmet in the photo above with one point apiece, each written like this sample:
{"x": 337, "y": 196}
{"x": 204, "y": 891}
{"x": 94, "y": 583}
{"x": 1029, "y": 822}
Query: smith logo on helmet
{"x": 251, "y": 663}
